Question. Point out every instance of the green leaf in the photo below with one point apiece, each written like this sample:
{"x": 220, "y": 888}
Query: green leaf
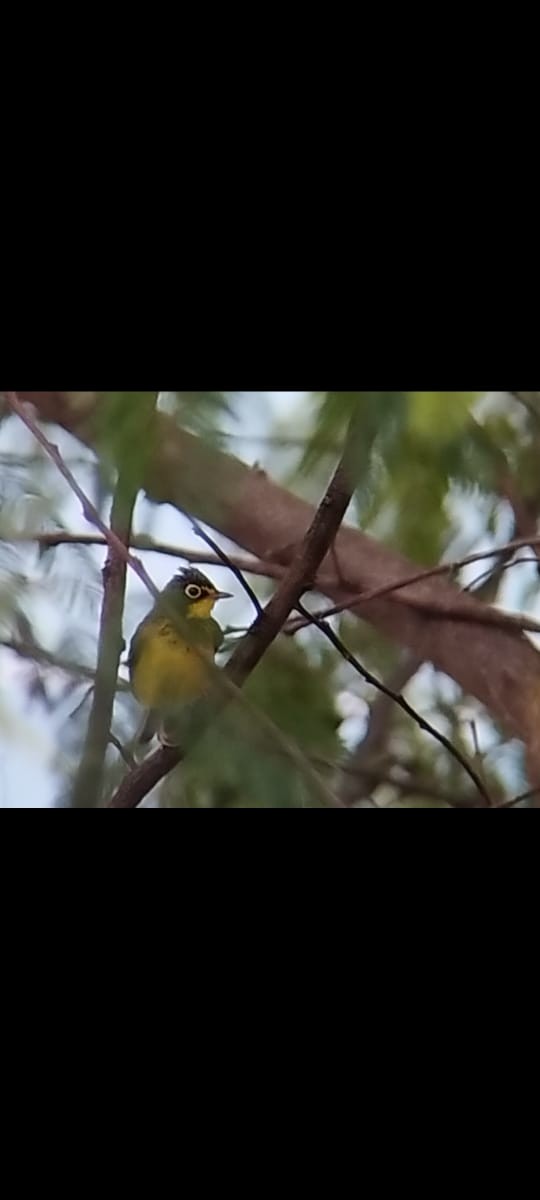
{"x": 439, "y": 416}
{"x": 126, "y": 430}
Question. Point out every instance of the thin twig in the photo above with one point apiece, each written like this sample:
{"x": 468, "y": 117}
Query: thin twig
{"x": 531, "y": 409}
{"x": 372, "y": 745}
{"x": 55, "y": 661}
{"x": 227, "y": 562}
{"x": 265, "y": 629}
{"x": 398, "y": 699}
{"x": 89, "y": 509}
{"x": 450, "y": 568}
{"x": 499, "y": 569}
{"x": 236, "y": 563}
{"x": 123, "y": 751}
{"x": 530, "y": 795}
{"x": 451, "y": 612}
{"x": 239, "y": 564}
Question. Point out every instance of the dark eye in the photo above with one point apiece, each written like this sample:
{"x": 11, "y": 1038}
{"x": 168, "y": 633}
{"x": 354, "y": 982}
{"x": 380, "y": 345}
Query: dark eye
{"x": 193, "y": 591}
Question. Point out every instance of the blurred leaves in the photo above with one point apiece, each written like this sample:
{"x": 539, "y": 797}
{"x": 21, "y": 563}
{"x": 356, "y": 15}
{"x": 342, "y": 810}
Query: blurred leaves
{"x": 125, "y": 425}
{"x": 237, "y": 764}
{"x": 411, "y": 447}
{"x": 381, "y": 416}
{"x": 200, "y": 412}
{"x": 432, "y": 468}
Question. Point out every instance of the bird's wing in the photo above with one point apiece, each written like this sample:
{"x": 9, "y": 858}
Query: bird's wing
{"x": 216, "y": 633}
{"x": 136, "y": 646}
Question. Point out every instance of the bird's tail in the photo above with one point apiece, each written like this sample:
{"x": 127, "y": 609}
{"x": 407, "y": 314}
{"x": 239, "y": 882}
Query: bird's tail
{"x": 181, "y": 726}
{"x": 141, "y": 739}
{"x": 175, "y": 729}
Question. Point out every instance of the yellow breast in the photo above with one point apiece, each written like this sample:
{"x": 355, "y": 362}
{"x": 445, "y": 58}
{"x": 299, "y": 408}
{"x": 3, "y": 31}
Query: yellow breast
{"x": 168, "y": 670}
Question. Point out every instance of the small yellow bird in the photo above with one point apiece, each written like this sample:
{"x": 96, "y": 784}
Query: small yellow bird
{"x": 168, "y": 650}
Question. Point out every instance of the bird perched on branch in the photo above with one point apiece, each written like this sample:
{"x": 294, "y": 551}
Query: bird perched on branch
{"x": 170, "y": 649}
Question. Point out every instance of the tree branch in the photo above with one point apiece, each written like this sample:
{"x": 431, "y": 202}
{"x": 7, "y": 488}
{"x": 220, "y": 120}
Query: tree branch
{"x": 371, "y": 749}
{"x": 55, "y": 662}
{"x": 225, "y": 561}
{"x": 88, "y": 785}
{"x": 52, "y": 539}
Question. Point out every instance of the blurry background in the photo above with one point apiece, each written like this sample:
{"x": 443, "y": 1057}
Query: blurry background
{"x": 443, "y": 474}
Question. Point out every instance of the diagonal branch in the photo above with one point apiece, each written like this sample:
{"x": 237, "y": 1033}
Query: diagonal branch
{"x": 400, "y": 701}
{"x": 224, "y": 559}
{"x": 265, "y": 629}
{"x": 90, "y": 511}
{"x": 372, "y": 748}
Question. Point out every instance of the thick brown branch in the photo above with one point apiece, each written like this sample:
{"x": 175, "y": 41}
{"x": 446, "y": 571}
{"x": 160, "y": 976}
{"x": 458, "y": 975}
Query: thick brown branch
{"x": 498, "y": 666}
{"x": 481, "y": 615}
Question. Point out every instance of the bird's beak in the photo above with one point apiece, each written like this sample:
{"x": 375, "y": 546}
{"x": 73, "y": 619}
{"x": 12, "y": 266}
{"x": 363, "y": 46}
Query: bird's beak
{"x": 223, "y": 595}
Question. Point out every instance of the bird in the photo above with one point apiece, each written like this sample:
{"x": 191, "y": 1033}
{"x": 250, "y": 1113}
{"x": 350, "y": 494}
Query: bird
{"x": 169, "y": 651}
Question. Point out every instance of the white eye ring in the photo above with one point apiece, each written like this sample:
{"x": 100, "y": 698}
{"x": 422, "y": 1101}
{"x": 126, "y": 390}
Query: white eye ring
{"x": 193, "y": 591}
